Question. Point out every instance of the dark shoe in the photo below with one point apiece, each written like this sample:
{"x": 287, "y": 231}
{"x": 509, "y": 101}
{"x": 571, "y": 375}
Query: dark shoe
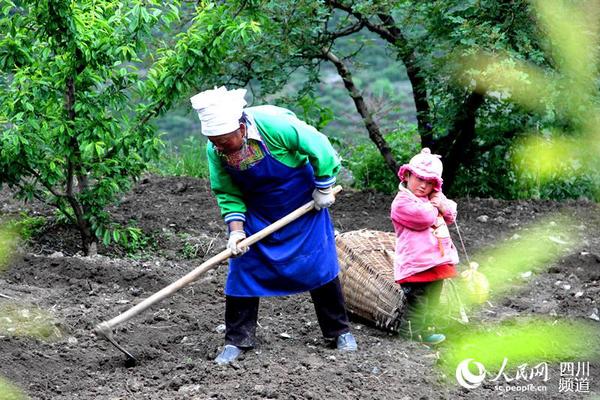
{"x": 229, "y": 354}
{"x": 346, "y": 342}
{"x": 433, "y": 339}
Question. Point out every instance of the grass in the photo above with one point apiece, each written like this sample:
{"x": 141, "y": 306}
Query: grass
{"x": 188, "y": 159}
{"x": 28, "y": 320}
{"x": 8, "y": 242}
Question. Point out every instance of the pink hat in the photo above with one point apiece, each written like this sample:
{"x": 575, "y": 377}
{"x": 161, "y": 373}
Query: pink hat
{"x": 426, "y": 166}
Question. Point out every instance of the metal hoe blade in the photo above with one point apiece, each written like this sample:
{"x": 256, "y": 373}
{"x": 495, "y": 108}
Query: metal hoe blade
{"x": 104, "y": 331}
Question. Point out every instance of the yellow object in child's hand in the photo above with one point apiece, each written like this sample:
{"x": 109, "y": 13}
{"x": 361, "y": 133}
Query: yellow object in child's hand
{"x": 476, "y": 284}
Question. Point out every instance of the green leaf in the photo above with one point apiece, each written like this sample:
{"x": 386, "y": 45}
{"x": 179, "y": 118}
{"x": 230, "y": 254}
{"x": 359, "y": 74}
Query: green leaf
{"x": 106, "y": 238}
{"x": 99, "y": 147}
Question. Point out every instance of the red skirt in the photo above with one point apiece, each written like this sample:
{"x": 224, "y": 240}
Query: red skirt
{"x": 436, "y": 273}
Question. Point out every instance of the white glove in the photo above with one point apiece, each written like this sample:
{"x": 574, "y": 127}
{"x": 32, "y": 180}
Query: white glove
{"x": 323, "y": 197}
{"x": 232, "y": 243}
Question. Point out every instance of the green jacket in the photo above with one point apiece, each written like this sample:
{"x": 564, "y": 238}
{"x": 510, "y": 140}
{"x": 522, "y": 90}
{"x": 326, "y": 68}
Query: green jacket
{"x": 290, "y": 141}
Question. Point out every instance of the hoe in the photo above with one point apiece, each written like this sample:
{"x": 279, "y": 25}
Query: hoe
{"x": 104, "y": 329}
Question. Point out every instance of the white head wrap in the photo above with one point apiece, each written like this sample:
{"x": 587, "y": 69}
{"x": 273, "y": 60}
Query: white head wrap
{"x": 219, "y": 110}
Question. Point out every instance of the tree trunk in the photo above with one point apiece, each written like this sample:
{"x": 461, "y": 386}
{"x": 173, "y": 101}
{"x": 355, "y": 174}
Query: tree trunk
{"x": 456, "y": 146}
{"x": 88, "y": 238}
{"x": 89, "y": 243}
{"x": 415, "y": 76}
{"x": 361, "y": 107}
{"x": 389, "y": 32}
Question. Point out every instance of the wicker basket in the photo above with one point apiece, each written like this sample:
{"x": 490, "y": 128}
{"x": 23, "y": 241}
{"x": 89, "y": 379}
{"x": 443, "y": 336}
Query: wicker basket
{"x": 367, "y": 277}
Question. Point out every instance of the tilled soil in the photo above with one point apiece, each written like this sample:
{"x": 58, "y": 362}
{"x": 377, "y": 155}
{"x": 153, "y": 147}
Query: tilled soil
{"x": 176, "y": 340}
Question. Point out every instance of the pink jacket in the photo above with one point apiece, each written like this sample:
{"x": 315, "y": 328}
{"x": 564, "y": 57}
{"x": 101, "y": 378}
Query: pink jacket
{"x": 422, "y": 237}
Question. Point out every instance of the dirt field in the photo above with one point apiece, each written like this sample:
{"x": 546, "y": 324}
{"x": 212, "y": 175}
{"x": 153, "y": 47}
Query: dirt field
{"x": 176, "y": 341}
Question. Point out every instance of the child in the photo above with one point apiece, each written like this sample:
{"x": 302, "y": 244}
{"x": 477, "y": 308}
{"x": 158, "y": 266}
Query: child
{"x": 425, "y": 254}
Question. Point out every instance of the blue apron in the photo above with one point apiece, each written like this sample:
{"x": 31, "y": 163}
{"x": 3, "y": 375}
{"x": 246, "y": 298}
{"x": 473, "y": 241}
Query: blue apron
{"x": 300, "y": 256}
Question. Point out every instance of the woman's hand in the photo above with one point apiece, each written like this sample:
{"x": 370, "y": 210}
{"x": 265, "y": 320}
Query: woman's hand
{"x": 236, "y": 234}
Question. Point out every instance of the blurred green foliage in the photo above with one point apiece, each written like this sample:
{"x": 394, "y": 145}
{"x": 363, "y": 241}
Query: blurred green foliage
{"x": 502, "y": 173}
{"x": 10, "y": 392}
{"x": 557, "y": 156}
{"x": 521, "y": 341}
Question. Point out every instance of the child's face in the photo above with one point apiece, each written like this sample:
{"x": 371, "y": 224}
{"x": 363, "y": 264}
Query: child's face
{"x": 418, "y": 186}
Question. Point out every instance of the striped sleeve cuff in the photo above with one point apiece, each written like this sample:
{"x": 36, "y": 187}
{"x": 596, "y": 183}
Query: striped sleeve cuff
{"x": 324, "y": 182}
{"x": 235, "y": 217}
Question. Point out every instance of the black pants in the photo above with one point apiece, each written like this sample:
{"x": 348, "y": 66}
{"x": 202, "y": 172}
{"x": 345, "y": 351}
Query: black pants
{"x": 241, "y": 315}
{"x": 422, "y": 299}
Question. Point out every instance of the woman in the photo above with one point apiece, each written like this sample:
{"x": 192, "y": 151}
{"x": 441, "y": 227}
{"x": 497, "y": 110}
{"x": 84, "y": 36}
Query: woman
{"x": 264, "y": 163}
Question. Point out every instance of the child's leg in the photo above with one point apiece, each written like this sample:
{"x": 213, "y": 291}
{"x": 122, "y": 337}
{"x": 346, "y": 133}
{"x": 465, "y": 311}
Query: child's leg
{"x": 434, "y": 291}
{"x": 411, "y": 324}
{"x": 432, "y": 294}
{"x": 422, "y": 298}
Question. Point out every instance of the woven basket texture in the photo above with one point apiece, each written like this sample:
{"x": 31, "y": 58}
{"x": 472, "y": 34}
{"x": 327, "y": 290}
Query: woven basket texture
{"x": 367, "y": 277}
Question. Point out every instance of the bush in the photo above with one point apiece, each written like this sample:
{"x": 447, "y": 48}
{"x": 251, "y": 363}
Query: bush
{"x": 556, "y": 178}
{"x": 368, "y": 167}
{"x": 26, "y": 226}
{"x": 490, "y": 176}
{"x": 501, "y": 173}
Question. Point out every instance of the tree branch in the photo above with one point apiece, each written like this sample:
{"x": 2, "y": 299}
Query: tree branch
{"x": 345, "y": 32}
{"x": 45, "y": 184}
{"x": 41, "y": 199}
{"x": 394, "y": 36}
{"x": 363, "y": 110}
{"x": 415, "y": 76}
{"x": 381, "y": 31}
